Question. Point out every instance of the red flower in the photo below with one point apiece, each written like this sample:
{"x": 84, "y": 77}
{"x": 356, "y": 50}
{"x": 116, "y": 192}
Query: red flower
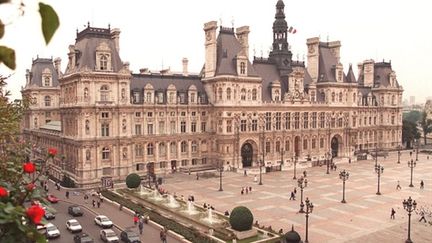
{"x": 3, "y": 192}
{"x": 29, "y": 167}
{"x": 35, "y": 213}
{"x": 52, "y": 152}
{"x": 30, "y": 187}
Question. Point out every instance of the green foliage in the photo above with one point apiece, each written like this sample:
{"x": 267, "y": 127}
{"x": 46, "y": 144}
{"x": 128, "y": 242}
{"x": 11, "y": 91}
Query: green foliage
{"x": 241, "y": 218}
{"x": 67, "y": 182}
{"x": 412, "y": 116}
{"x": 133, "y": 180}
{"x": 50, "y": 23}
{"x": 409, "y": 132}
{"x": 426, "y": 125}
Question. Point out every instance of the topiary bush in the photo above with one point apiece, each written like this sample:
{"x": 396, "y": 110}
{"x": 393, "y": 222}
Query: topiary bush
{"x": 241, "y": 218}
{"x": 133, "y": 180}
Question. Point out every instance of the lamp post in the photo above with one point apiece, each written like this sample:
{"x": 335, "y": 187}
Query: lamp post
{"x": 379, "y": 169}
{"x": 411, "y": 164}
{"x": 309, "y": 208}
{"x": 282, "y": 161}
{"x": 343, "y": 175}
{"x": 220, "y": 169}
{"x": 302, "y": 183}
{"x": 409, "y": 205}
{"x": 295, "y": 163}
{"x": 260, "y": 167}
{"x": 399, "y": 153}
{"x": 328, "y": 162}
{"x": 376, "y": 155}
{"x": 417, "y": 150}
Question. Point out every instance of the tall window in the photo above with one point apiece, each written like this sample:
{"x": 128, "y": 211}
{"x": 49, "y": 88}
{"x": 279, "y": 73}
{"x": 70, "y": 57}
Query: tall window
{"x": 254, "y": 94}
{"x": 183, "y": 127}
{"x": 321, "y": 120}
{"x": 194, "y": 146}
{"x": 193, "y": 126}
{"x": 162, "y": 149}
{"x": 173, "y": 148}
{"x": 313, "y": 143}
{"x": 220, "y": 94}
{"x": 47, "y": 101}
{"x": 192, "y": 97}
{"x": 305, "y": 120}
{"x": 278, "y": 121}
{"x": 268, "y": 121}
{"x": 305, "y": 144}
{"x": 105, "y": 153}
{"x": 161, "y": 127}
{"x": 277, "y": 94}
{"x": 138, "y": 150}
{"x": 149, "y": 129}
{"x": 137, "y": 129}
{"x": 203, "y": 126}
{"x": 47, "y": 81}
{"x": 243, "y": 94}
{"x": 104, "y": 93}
{"x": 277, "y": 148}
{"x": 242, "y": 68}
{"x": 103, "y": 62}
{"x": 287, "y": 120}
{"x": 267, "y": 150}
{"x": 229, "y": 126}
{"x": 254, "y": 125}
{"x": 183, "y": 147}
{"x": 105, "y": 130}
{"x": 296, "y": 120}
{"x": 172, "y": 127}
{"x": 150, "y": 149}
{"x": 148, "y": 97}
{"x": 228, "y": 93}
{"x": 243, "y": 125}
{"x": 87, "y": 127}
{"x": 321, "y": 142}
{"x": 314, "y": 120}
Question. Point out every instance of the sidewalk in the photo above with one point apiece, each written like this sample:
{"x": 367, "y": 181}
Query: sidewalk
{"x": 122, "y": 219}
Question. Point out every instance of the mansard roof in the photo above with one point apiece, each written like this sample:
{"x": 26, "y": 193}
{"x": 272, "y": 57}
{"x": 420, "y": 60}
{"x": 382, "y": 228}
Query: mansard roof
{"x": 269, "y": 73}
{"x": 161, "y": 82}
{"x": 228, "y": 48}
{"x": 382, "y": 71}
{"x": 327, "y": 64}
{"x": 350, "y": 78}
{"x": 38, "y": 67}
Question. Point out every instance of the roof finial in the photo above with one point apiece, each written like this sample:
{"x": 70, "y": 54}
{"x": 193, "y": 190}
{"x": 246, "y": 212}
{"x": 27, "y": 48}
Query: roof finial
{"x": 292, "y": 227}
{"x": 109, "y": 26}
{"x": 88, "y": 24}
{"x": 220, "y": 20}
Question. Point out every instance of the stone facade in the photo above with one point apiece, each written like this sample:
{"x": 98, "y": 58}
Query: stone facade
{"x": 108, "y": 122}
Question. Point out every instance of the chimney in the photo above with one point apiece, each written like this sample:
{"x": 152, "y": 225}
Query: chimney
{"x": 313, "y": 57}
{"x": 71, "y": 56}
{"x": 27, "y": 77}
{"x": 368, "y": 72}
{"x": 334, "y": 47}
{"x": 185, "y": 66}
{"x": 144, "y": 70}
{"x": 210, "y": 48}
{"x": 359, "y": 69}
{"x": 57, "y": 65}
{"x": 243, "y": 37}
{"x": 115, "y": 35}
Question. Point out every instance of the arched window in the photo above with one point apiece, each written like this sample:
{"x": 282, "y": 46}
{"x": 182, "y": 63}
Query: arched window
{"x": 47, "y": 101}
{"x": 254, "y": 94}
{"x": 228, "y": 93}
{"x": 162, "y": 149}
{"x": 220, "y": 94}
{"x": 183, "y": 147}
{"x": 276, "y": 95}
{"x": 105, "y": 153}
{"x": 194, "y": 146}
{"x": 242, "y": 68}
{"x": 150, "y": 149}
{"x": 173, "y": 148}
{"x": 103, "y": 62}
{"x": 243, "y": 94}
{"x": 104, "y": 92}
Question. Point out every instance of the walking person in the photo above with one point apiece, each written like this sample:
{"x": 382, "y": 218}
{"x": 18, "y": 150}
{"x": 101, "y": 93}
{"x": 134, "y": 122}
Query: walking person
{"x": 422, "y": 214}
{"x": 245, "y": 173}
{"x": 295, "y": 190}
{"x": 140, "y": 227}
{"x": 392, "y": 215}
{"x": 421, "y": 184}
{"x": 292, "y": 196}
{"x": 98, "y": 204}
{"x": 93, "y": 203}
{"x": 67, "y": 194}
{"x": 255, "y": 179}
{"x": 163, "y": 235}
{"x": 304, "y": 173}
{"x": 398, "y": 187}
{"x": 135, "y": 219}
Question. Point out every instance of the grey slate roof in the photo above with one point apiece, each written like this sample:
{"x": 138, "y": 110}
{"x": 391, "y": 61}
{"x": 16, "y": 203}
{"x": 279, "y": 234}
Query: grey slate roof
{"x": 228, "y": 47}
{"x": 327, "y": 64}
{"x": 350, "y": 78}
{"x": 161, "y": 82}
{"x": 269, "y": 73}
{"x": 38, "y": 66}
{"x": 382, "y": 71}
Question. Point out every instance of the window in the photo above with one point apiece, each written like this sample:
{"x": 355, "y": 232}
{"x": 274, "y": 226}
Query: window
{"x": 314, "y": 120}
{"x": 194, "y": 146}
{"x": 105, "y": 114}
{"x": 254, "y": 94}
{"x": 321, "y": 120}
{"x": 243, "y": 125}
{"x": 277, "y": 148}
{"x": 268, "y": 121}
{"x": 277, "y": 94}
{"x": 182, "y": 97}
{"x": 149, "y": 97}
{"x": 313, "y": 143}
{"x": 47, "y": 81}
{"x": 305, "y": 144}
{"x": 192, "y": 97}
{"x": 287, "y": 120}
{"x": 161, "y": 127}
{"x": 340, "y": 97}
{"x": 172, "y": 127}
{"x": 242, "y": 68}
{"x": 149, "y": 114}
{"x": 203, "y": 126}
{"x": 254, "y": 125}
{"x": 193, "y": 113}
{"x": 305, "y": 120}
{"x": 105, "y": 153}
{"x": 104, "y": 93}
{"x": 287, "y": 145}
{"x": 171, "y": 98}
{"x": 173, "y": 148}
{"x": 229, "y": 126}
{"x": 267, "y": 149}
{"x": 87, "y": 127}
{"x": 193, "y": 126}
{"x": 160, "y": 97}
{"x": 278, "y": 120}
{"x": 136, "y": 97}
{"x": 220, "y": 94}
{"x": 183, "y": 127}
{"x": 321, "y": 142}
{"x": 162, "y": 149}
{"x": 105, "y": 130}
{"x": 392, "y": 120}
{"x": 137, "y": 129}
{"x": 183, "y": 147}
{"x": 47, "y": 101}
{"x": 243, "y": 94}
{"x": 137, "y": 114}
{"x": 150, "y": 149}
{"x": 149, "y": 128}
{"x": 139, "y": 150}
{"x": 228, "y": 93}
{"x": 333, "y": 97}
{"x": 103, "y": 65}
{"x": 296, "y": 120}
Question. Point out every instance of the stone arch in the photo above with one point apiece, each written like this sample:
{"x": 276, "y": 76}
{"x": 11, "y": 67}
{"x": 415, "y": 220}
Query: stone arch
{"x": 248, "y": 152}
{"x": 336, "y": 145}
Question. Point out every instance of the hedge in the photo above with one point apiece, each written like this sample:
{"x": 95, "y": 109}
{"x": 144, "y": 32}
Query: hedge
{"x": 241, "y": 218}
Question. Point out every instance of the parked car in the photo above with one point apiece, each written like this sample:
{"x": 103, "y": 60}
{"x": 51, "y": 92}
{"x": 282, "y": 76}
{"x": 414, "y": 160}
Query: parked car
{"x": 49, "y": 215}
{"x": 108, "y": 235}
{"x": 75, "y": 210}
{"x": 83, "y": 238}
{"x": 73, "y": 225}
{"x": 52, "y": 199}
{"x": 130, "y": 236}
{"x": 103, "y": 221}
{"x": 52, "y": 231}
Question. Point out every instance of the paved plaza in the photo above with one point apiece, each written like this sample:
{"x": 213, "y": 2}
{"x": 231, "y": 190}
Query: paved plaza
{"x": 364, "y": 218}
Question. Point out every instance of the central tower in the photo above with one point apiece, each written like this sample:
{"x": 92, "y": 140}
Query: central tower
{"x": 280, "y": 54}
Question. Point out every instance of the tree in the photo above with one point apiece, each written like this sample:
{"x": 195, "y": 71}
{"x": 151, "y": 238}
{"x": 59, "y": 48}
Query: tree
{"x": 133, "y": 180}
{"x": 409, "y": 132}
{"x": 412, "y": 116}
{"x": 426, "y": 125}
{"x": 241, "y": 218}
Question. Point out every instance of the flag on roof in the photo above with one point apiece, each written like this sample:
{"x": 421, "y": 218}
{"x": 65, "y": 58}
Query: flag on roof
{"x": 292, "y": 30}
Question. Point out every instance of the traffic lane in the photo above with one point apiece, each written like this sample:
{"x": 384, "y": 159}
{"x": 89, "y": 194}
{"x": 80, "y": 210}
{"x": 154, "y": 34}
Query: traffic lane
{"x": 86, "y": 221}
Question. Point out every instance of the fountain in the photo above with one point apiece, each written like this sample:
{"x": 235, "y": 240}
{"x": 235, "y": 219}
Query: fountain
{"x": 156, "y": 195}
{"x": 172, "y": 202}
{"x": 143, "y": 190}
{"x": 210, "y": 218}
{"x": 191, "y": 208}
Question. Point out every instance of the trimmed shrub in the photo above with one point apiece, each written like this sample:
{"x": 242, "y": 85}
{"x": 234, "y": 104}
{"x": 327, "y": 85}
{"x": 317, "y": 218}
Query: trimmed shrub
{"x": 241, "y": 218}
{"x": 133, "y": 180}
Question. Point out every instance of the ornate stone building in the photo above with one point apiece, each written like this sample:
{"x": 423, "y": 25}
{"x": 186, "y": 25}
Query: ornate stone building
{"x": 108, "y": 122}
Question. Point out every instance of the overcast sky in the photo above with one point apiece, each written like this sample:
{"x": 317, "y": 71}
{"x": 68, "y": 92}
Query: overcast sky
{"x": 156, "y": 34}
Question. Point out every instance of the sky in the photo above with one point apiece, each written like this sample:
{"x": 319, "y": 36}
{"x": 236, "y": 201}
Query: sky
{"x": 158, "y": 34}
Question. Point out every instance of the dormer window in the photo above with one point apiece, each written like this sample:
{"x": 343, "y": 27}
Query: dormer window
{"x": 242, "y": 68}
{"x": 46, "y": 77}
{"x": 47, "y": 101}
{"x": 103, "y": 57}
{"x": 103, "y": 62}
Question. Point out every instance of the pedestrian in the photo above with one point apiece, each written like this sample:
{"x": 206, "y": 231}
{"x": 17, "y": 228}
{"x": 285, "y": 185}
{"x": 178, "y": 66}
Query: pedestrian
{"x": 189, "y": 171}
{"x": 120, "y": 207}
{"x": 135, "y": 219}
{"x": 67, "y": 194}
{"x": 46, "y": 187}
{"x": 192, "y": 198}
{"x": 422, "y": 214}
{"x": 98, "y": 204}
{"x": 392, "y": 215}
{"x": 94, "y": 203}
{"x": 335, "y": 167}
{"x": 247, "y": 190}
{"x": 295, "y": 190}
{"x": 292, "y": 196}
{"x": 140, "y": 227}
{"x": 242, "y": 191}
{"x": 245, "y": 173}
{"x": 205, "y": 206}
{"x": 349, "y": 160}
{"x": 58, "y": 187}
{"x": 304, "y": 173}
{"x": 226, "y": 213}
{"x": 250, "y": 189}
{"x": 421, "y": 184}
{"x": 197, "y": 176}
{"x": 255, "y": 179}
{"x": 163, "y": 236}
{"x": 398, "y": 187}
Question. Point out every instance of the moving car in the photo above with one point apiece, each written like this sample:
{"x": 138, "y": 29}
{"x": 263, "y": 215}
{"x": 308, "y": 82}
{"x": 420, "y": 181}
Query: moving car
{"x": 83, "y": 238}
{"x": 108, "y": 235}
{"x": 73, "y": 225}
{"x": 103, "y": 221}
{"x": 52, "y": 199}
{"x": 75, "y": 210}
{"x": 49, "y": 215}
{"x": 52, "y": 231}
{"x": 130, "y": 236}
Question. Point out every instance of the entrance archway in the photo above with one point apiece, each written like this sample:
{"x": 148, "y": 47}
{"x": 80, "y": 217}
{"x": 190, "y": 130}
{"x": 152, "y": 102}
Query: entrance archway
{"x": 247, "y": 154}
{"x": 336, "y": 145}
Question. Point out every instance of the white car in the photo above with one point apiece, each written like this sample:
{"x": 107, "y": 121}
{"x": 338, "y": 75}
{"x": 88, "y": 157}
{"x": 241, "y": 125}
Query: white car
{"x": 73, "y": 225}
{"x": 103, "y": 221}
{"x": 108, "y": 235}
{"x": 52, "y": 231}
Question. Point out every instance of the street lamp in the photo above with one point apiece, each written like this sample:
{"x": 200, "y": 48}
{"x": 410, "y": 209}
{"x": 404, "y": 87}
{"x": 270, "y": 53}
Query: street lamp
{"x": 260, "y": 166}
{"x": 343, "y": 175}
{"x": 376, "y": 155}
{"x": 220, "y": 169}
{"x": 295, "y": 163}
{"x": 417, "y": 150}
{"x": 282, "y": 161}
{"x": 302, "y": 183}
{"x": 309, "y": 208}
{"x": 399, "y": 153}
{"x": 411, "y": 164}
{"x": 379, "y": 169}
{"x": 409, "y": 205}
{"x": 328, "y": 155}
